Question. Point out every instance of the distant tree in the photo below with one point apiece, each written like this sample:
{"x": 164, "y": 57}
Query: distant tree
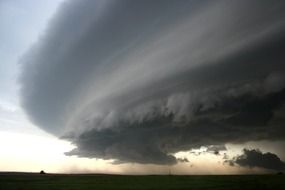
{"x": 42, "y": 172}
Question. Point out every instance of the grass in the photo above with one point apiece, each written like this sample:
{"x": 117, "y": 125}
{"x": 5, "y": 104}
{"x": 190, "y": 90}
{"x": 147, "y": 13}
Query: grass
{"x": 107, "y": 182}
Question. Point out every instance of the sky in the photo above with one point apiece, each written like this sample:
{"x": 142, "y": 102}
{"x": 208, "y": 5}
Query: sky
{"x": 142, "y": 87}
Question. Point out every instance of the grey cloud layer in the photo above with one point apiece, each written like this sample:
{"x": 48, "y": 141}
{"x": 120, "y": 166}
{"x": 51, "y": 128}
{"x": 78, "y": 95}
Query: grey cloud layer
{"x": 255, "y": 158}
{"x": 137, "y": 80}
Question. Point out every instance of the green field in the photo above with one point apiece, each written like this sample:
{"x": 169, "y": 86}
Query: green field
{"x": 106, "y": 182}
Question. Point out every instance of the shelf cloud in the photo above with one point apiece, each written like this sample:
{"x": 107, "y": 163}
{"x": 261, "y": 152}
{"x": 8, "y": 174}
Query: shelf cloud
{"x": 137, "y": 81}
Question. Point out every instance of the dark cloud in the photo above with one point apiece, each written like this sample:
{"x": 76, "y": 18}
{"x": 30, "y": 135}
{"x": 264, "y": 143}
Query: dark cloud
{"x": 153, "y": 140}
{"x": 255, "y": 158}
{"x": 138, "y": 81}
{"x": 182, "y": 160}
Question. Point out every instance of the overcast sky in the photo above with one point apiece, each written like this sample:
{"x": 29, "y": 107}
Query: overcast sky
{"x": 123, "y": 86}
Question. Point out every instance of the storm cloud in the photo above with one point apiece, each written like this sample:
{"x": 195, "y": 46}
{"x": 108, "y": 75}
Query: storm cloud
{"x": 137, "y": 81}
{"x": 255, "y": 158}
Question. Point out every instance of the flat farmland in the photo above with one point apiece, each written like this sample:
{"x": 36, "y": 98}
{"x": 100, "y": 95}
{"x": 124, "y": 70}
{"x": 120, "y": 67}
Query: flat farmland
{"x": 27, "y": 181}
